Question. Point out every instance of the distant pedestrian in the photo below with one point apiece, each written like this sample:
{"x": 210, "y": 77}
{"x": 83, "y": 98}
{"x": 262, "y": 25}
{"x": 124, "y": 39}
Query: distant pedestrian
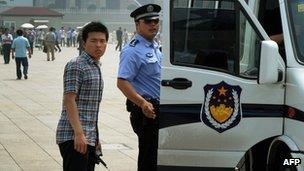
{"x": 31, "y": 36}
{"x": 62, "y": 36}
{"x": 57, "y": 39}
{"x": 7, "y": 40}
{"x": 80, "y": 42}
{"x": 73, "y": 37}
{"x": 49, "y": 42}
{"x": 40, "y": 42}
{"x": 119, "y": 39}
{"x": 125, "y": 36}
{"x": 69, "y": 37}
{"x": 77, "y": 130}
{"x": 19, "y": 46}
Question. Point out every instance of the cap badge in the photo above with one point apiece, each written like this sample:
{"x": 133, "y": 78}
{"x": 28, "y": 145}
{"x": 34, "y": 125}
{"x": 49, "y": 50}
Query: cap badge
{"x": 149, "y": 55}
{"x": 150, "y": 8}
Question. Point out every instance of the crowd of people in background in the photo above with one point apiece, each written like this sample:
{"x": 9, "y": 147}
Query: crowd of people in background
{"x": 64, "y": 37}
{"x": 51, "y": 40}
{"x": 44, "y": 39}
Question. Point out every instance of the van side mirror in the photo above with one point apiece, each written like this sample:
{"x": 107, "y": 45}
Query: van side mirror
{"x": 271, "y": 66}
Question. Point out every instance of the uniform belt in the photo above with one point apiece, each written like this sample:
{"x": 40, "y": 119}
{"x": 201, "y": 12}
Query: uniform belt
{"x": 132, "y": 106}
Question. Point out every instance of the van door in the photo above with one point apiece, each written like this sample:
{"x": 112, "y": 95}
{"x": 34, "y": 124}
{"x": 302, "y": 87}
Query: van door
{"x": 295, "y": 83}
{"x": 294, "y": 121}
{"x": 212, "y": 107}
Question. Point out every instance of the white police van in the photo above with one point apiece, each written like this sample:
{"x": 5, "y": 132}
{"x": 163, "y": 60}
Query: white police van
{"x": 231, "y": 98}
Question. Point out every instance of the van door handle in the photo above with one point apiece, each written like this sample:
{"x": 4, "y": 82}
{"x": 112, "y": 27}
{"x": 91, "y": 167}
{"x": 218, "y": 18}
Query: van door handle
{"x": 177, "y": 83}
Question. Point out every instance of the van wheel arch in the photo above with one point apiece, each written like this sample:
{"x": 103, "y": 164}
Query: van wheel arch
{"x": 278, "y": 151}
{"x": 268, "y": 154}
{"x": 255, "y": 159}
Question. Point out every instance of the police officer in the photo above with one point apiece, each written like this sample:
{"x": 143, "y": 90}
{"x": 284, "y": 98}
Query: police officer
{"x": 139, "y": 81}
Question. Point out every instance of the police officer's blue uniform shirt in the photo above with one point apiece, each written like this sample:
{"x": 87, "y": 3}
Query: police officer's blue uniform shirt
{"x": 140, "y": 64}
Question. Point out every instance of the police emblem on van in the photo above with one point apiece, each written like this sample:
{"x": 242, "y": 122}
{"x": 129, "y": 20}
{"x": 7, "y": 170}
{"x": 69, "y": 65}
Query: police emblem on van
{"x": 221, "y": 109}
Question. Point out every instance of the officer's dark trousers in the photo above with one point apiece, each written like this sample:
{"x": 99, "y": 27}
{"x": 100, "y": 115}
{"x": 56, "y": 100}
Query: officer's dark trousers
{"x": 147, "y": 132}
{"x": 75, "y": 161}
{"x": 24, "y": 62}
{"x": 6, "y": 48}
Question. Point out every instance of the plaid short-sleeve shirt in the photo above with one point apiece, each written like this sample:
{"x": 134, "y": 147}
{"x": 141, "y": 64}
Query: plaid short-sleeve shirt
{"x": 82, "y": 76}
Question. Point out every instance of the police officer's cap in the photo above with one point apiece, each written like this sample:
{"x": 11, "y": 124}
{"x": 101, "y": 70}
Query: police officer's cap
{"x": 149, "y": 11}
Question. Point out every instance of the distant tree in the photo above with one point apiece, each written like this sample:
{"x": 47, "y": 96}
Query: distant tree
{"x": 131, "y": 7}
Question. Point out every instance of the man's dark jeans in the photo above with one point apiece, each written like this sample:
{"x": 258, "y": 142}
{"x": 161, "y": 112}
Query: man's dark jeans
{"x": 24, "y": 62}
{"x": 75, "y": 161}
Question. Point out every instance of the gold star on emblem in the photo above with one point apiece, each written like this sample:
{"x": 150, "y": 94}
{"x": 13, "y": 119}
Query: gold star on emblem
{"x": 222, "y": 91}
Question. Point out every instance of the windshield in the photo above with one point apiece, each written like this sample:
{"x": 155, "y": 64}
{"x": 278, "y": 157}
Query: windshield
{"x": 296, "y": 11}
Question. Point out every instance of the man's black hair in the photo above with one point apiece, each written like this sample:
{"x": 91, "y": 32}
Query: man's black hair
{"x": 19, "y": 32}
{"x": 52, "y": 29}
{"x": 94, "y": 26}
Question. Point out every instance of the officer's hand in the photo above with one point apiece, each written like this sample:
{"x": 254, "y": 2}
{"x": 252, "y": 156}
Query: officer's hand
{"x": 80, "y": 143}
{"x": 148, "y": 110}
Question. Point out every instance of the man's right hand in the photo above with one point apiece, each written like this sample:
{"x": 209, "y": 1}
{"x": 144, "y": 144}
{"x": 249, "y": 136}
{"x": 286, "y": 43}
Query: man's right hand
{"x": 148, "y": 109}
{"x": 128, "y": 90}
{"x": 80, "y": 143}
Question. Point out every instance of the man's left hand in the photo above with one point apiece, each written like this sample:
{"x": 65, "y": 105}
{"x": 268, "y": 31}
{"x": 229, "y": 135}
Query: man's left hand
{"x": 98, "y": 147}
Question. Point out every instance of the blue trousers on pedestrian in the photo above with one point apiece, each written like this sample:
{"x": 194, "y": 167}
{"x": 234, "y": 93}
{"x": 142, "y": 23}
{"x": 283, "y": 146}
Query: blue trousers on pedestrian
{"x": 6, "y": 48}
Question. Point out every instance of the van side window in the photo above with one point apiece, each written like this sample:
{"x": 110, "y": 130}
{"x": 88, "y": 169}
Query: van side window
{"x": 204, "y": 35}
{"x": 296, "y": 18}
{"x": 214, "y": 35}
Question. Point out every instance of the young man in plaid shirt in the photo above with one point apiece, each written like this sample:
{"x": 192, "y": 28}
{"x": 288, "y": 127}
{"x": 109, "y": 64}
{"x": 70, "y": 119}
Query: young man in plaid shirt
{"x": 77, "y": 131}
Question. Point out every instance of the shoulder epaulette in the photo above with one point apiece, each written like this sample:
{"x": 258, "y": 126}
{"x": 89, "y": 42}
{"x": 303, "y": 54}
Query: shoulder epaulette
{"x": 133, "y": 42}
